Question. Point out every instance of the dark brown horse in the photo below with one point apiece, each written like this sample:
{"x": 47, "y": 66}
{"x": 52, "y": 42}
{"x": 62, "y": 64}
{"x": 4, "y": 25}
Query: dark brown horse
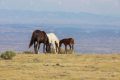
{"x": 66, "y": 42}
{"x": 37, "y": 38}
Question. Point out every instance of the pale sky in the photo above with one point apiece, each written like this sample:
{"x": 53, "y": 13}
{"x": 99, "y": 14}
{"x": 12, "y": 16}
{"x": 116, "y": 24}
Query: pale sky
{"x": 103, "y": 7}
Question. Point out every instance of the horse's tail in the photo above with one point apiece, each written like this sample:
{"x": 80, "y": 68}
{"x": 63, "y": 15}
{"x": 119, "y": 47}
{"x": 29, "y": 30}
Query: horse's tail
{"x": 31, "y": 41}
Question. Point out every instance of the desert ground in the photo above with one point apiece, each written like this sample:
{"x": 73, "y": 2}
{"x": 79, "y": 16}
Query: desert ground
{"x": 61, "y": 67}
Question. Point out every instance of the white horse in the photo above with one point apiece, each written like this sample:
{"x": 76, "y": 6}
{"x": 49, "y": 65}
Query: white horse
{"x": 54, "y": 41}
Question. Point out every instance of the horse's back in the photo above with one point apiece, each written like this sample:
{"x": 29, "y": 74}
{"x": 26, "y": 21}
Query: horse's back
{"x": 36, "y": 32}
{"x": 40, "y": 35}
{"x": 67, "y": 41}
{"x": 52, "y": 37}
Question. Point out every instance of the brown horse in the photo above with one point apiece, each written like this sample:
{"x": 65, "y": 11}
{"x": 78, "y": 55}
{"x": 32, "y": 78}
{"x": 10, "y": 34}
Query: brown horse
{"x": 37, "y": 38}
{"x": 67, "y": 41}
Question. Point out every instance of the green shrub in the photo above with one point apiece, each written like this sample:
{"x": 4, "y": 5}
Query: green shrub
{"x": 8, "y": 55}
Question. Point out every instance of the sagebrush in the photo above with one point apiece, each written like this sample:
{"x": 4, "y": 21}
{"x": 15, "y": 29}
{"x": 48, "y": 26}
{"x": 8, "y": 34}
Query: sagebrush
{"x": 8, "y": 55}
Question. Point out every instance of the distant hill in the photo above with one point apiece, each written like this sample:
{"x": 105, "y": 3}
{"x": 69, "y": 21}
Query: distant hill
{"x": 14, "y": 16}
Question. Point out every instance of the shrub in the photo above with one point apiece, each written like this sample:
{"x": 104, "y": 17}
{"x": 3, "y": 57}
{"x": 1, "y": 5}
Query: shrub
{"x": 8, "y": 55}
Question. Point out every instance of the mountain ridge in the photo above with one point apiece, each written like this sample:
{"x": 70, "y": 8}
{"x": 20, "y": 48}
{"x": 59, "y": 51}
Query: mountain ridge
{"x": 56, "y": 17}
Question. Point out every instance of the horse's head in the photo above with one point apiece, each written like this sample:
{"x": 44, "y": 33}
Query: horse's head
{"x": 48, "y": 48}
{"x": 60, "y": 43}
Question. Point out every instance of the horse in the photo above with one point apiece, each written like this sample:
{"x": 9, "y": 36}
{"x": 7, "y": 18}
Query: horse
{"x": 37, "y": 38}
{"x": 66, "y": 42}
{"x": 54, "y": 41}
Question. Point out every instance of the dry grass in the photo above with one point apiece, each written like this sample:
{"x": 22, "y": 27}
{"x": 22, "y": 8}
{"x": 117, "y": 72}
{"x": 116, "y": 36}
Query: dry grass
{"x": 61, "y": 67}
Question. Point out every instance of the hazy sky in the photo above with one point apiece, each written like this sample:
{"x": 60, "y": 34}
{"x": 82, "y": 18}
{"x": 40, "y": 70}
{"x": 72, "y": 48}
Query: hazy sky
{"x": 104, "y": 7}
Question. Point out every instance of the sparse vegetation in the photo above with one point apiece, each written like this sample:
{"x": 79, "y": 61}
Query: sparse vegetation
{"x": 8, "y": 55}
{"x": 61, "y": 67}
{"x": 62, "y": 51}
{"x": 28, "y": 52}
{"x": 68, "y": 51}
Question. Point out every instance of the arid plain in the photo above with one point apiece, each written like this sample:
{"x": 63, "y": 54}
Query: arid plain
{"x": 61, "y": 67}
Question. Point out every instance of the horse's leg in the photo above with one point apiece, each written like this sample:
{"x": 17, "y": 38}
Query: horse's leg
{"x": 47, "y": 48}
{"x": 66, "y": 49}
{"x": 35, "y": 47}
{"x": 54, "y": 47}
{"x": 39, "y": 46}
{"x": 59, "y": 50}
{"x": 44, "y": 48}
{"x": 72, "y": 48}
{"x": 58, "y": 47}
